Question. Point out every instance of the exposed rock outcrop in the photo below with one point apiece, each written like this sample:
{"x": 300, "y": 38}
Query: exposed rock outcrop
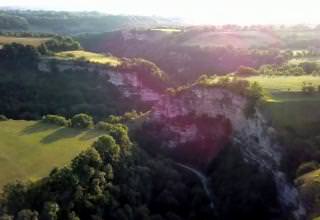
{"x": 223, "y": 112}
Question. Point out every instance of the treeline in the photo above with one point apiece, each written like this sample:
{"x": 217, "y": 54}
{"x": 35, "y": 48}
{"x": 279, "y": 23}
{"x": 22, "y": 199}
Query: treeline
{"x": 303, "y": 68}
{"x": 58, "y": 44}
{"x": 72, "y": 22}
{"x": 18, "y": 57}
{"x": 12, "y": 22}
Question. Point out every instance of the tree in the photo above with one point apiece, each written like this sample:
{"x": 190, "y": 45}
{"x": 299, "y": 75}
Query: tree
{"x": 73, "y": 216}
{"x": 86, "y": 164}
{"x": 56, "y": 119}
{"x": 27, "y": 214}
{"x": 81, "y": 121}
{"x": 107, "y": 148}
{"x": 50, "y": 211}
{"x": 309, "y": 67}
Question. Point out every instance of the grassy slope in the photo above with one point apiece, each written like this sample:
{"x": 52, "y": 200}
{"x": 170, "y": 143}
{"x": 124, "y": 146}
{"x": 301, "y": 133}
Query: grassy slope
{"x": 89, "y": 56}
{"x": 291, "y": 108}
{"x": 283, "y": 83}
{"x": 33, "y": 41}
{"x": 300, "y": 114}
{"x": 29, "y": 150}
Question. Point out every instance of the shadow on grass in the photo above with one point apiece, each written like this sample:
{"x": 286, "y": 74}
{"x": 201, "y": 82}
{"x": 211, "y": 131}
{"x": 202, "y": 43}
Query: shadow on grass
{"x": 61, "y": 133}
{"x": 91, "y": 134}
{"x": 37, "y": 127}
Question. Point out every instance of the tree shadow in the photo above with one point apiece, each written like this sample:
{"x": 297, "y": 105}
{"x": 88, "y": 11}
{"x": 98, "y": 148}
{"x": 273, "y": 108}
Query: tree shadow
{"x": 61, "y": 133}
{"x": 37, "y": 127}
{"x": 90, "y": 134}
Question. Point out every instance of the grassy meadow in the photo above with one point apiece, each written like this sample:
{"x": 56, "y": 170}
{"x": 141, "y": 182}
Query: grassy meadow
{"x": 284, "y": 83}
{"x": 29, "y": 149}
{"x": 89, "y": 56}
{"x": 287, "y": 107}
{"x": 33, "y": 41}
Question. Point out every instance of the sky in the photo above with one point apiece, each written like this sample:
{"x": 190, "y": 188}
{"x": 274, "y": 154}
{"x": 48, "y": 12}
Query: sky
{"x": 195, "y": 11}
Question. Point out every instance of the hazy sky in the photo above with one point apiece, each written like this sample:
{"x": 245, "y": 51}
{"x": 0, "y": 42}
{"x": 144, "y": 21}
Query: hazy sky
{"x": 222, "y": 11}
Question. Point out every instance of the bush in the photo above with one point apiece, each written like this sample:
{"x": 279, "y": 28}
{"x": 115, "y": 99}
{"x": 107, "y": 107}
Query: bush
{"x": 104, "y": 126}
{"x": 307, "y": 167}
{"x": 81, "y": 121}
{"x": 3, "y": 118}
{"x": 118, "y": 131}
{"x": 56, "y": 119}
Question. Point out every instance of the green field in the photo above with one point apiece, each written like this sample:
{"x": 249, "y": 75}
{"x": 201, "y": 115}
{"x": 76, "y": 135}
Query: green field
{"x": 29, "y": 149}
{"x": 284, "y": 83}
{"x": 33, "y": 41}
{"x": 298, "y": 113}
{"x": 287, "y": 106}
{"x": 89, "y": 56}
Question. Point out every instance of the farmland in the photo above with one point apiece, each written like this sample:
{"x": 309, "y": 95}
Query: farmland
{"x": 33, "y": 41}
{"x": 89, "y": 56}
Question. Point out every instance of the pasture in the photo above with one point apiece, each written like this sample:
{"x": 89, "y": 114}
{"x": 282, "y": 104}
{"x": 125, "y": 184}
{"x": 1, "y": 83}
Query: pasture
{"x": 89, "y": 56}
{"x": 284, "y": 83}
{"x": 287, "y": 107}
{"x": 29, "y": 150}
{"x": 32, "y": 41}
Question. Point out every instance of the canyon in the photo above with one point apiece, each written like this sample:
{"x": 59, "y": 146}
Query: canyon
{"x": 196, "y": 123}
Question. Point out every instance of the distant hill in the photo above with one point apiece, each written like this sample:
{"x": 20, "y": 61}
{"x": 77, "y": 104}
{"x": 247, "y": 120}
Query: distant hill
{"x": 74, "y": 22}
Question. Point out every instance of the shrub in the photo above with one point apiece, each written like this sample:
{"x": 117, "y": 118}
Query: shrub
{"x": 3, "y": 118}
{"x": 118, "y": 131}
{"x": 56, "y": 119}
{"x": 81, "y": 121}
{"x": 307, "y": 167}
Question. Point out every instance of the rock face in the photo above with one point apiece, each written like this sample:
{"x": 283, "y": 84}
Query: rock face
{"x": 130, "y": 84}
{"x": 202, "y": 120}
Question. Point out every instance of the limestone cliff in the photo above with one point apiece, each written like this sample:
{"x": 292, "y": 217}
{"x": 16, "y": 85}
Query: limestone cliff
{"x": 222, "y": 112}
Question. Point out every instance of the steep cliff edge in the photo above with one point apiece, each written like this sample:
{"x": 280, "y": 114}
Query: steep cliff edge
{"x": 200, "y": 121}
